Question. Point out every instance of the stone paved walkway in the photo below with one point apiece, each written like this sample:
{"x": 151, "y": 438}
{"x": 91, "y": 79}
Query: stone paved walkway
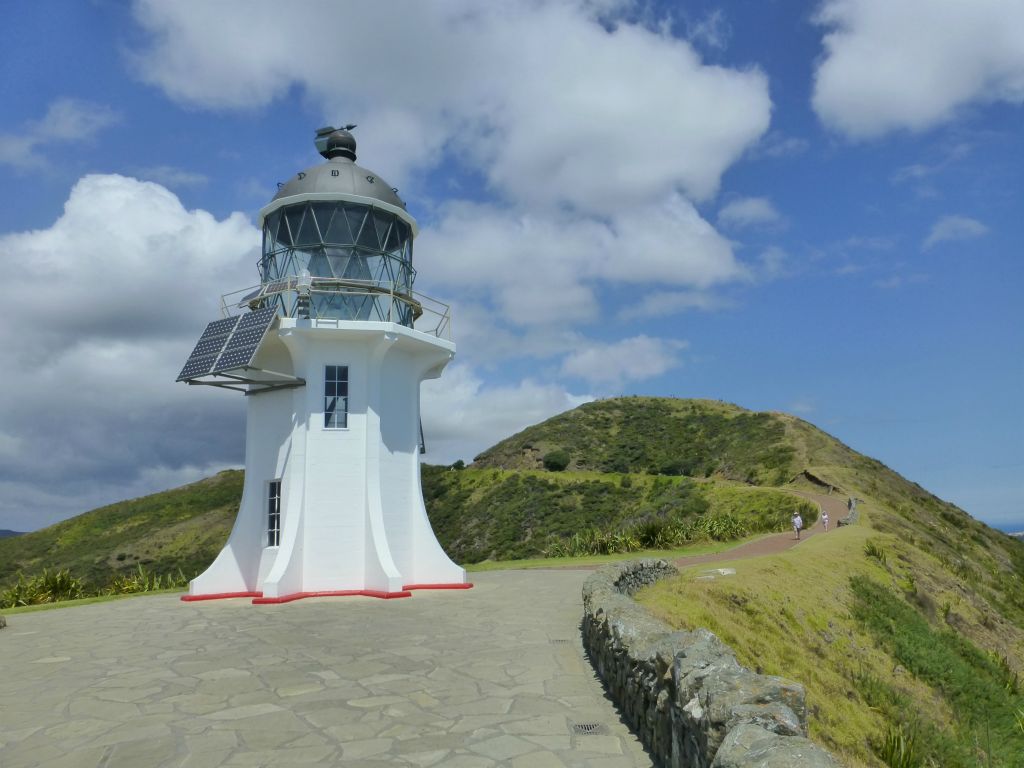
{"x": 493, "y": 676}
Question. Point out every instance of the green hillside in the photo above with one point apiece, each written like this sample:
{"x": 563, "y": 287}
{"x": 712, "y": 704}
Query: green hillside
{"x": 180, "y": 529}
{"x": 697, "y": 438}
{"x": 492, "y": 514}
{"x": 907, "y": 628}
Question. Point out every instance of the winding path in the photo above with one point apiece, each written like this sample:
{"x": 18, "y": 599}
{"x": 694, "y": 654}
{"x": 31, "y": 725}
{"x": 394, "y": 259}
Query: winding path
{"x": 493, "y": 676}
{"x": 777, "y": 542}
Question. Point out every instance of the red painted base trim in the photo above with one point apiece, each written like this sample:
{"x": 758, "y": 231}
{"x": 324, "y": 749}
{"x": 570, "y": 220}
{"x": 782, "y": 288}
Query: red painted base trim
{"x": 466, "y": 585}
{"x": 219, "y": 596}
{"x": 342, "y": 593}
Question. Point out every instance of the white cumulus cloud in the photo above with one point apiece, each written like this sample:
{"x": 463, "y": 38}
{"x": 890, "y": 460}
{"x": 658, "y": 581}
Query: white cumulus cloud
{"x": 105, "y": 305}
{"x": 462, "y": 415}
{"x": 66, "y": 122}
{"x": 953, "y": 228}
{"x": 664, "y": 303}
{"x": 912, "y": 64}
{"x": 634, "y": 359}
{"x": 539, "y": 269}
{"x": 748, "y": 212}
{"x": 170, "y": 176}
{"x": 553, "y": 102}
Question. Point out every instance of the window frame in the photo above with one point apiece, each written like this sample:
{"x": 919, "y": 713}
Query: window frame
{"x": 274, "y": 513}
{"x": 336, "y": 389}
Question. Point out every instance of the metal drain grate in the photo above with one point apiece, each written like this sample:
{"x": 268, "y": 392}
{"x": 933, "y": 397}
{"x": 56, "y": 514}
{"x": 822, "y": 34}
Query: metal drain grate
{"x": 559, "y": 641}
{"x": 588, "y": 729}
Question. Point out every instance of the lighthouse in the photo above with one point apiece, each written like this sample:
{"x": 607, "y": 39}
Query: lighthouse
{"x": 329, "y": 350}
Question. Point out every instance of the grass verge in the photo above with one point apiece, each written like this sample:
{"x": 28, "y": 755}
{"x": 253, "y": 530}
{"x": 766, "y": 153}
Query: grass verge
{"x": 86, "y": 601}
{"x": 703, "y": 548}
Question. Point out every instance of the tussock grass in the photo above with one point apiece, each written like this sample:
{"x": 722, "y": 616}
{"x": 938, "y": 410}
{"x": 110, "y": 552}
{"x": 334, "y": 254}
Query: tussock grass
{"x": 982, "y": 692}
{"x": 177, "y": 530}
{"x": 702, "y": 548}
{"x": 790, "y": 615}
{"x": 89, "y": 601}
{"x": 496, "y": 514}
{"x": 866, "y": 636}
{"x": 653, "y": 435}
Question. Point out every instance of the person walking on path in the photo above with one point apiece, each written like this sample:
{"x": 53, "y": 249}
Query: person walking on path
{"x": 824, "y": 519}
{"x": 798, "y": 523}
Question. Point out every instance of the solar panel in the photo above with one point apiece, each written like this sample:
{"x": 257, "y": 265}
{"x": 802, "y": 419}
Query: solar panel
{"x": 203, "y": 357}
{"x": 245, "y": 340}
{"x": 220, "y": 327}
{"x": 227, "y": 344}
{"x": 197, "y": 366}
{"x": 258, "y": 318}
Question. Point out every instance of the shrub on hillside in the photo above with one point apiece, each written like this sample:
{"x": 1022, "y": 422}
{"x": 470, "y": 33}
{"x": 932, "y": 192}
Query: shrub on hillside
{"x": 556, "y": 460}
{"x": 140, "y": 580}
{"x": 47, "y": 587}
{"x": 981, "y": 690}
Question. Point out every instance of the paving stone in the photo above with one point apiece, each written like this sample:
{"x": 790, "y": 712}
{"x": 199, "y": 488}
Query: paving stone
{"x": 249, "y": 710}
{"x": 608, "y": 745}
{"x": 366, "y": 748}
{"x": 209, "y": 759}
{"x": 425, "y": 759}
{"x": 466, "y": 679}
{"x": 554, "y": 742}
{"x": 537, "y": 760}
{"x": 148, "y": 752}
{"x": 503, "y": 747}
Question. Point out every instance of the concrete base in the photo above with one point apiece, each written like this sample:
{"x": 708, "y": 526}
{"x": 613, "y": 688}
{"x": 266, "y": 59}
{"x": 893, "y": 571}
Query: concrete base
{"x": 352, "y": 518}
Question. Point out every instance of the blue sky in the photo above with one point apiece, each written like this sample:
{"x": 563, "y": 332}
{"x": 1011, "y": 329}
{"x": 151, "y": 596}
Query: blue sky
{"x": 813, "y": 208}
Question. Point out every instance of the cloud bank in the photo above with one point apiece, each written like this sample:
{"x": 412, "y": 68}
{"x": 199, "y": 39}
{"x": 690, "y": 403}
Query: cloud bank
{"x": 914, "y": 64}
{"x": 110, "y": 299}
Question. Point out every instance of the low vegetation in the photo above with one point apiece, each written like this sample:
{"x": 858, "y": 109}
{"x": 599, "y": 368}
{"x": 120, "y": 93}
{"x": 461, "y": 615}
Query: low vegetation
{"x": 696, "y": 438}
{"x": 59, "y": 586}
{"x": 489, "y": 514}
{"x": 907, "y": 629}
{"x": 982, "y": 690}
{"x": 177, "y": 531}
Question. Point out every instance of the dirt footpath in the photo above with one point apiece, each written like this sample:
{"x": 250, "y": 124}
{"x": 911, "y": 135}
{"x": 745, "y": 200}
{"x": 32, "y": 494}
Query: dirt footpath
{"x": 778, "y": 542}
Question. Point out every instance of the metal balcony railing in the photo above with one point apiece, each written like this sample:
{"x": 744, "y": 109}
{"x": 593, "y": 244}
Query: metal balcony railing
{"x": 387, "y": 302}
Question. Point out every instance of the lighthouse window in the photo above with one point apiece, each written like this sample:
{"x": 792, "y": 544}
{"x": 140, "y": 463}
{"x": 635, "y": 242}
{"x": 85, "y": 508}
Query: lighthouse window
{"x": 274, "y": 513}
{"x": 336, "y": 397}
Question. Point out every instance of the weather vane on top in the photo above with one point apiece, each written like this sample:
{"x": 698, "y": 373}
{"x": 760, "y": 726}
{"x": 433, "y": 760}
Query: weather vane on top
{"x": 331, "y": 129}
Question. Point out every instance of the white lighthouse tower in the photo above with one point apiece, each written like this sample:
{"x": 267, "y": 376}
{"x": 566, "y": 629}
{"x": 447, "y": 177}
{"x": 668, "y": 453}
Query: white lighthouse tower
{"x": 330, "y": 350}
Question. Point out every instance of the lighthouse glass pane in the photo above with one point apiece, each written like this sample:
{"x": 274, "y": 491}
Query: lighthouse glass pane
{"x": 338, "y": 232}
{"x": 308, "y": 233}
{"x": 336, "y": 397}
{"x": 364, "y": 253}
{"x": 274, "y": 513}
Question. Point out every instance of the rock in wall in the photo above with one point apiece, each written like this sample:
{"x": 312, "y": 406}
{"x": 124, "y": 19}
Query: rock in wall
{"x": 683, "y": 693}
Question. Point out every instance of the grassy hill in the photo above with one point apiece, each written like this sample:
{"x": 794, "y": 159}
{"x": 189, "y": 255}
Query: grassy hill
{"x": 697, "y": 438}
{"x": 906, "y": 628}
{"x": 180, "y": 529}
{"x": 498, "y": 514}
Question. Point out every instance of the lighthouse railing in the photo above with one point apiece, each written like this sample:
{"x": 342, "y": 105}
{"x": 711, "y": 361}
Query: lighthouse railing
{"x": 389, "y": 302}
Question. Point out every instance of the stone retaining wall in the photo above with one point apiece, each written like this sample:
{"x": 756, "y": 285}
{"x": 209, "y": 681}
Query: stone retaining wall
{"x": 683, "y": 693}
{"x": 852, "y": 518}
